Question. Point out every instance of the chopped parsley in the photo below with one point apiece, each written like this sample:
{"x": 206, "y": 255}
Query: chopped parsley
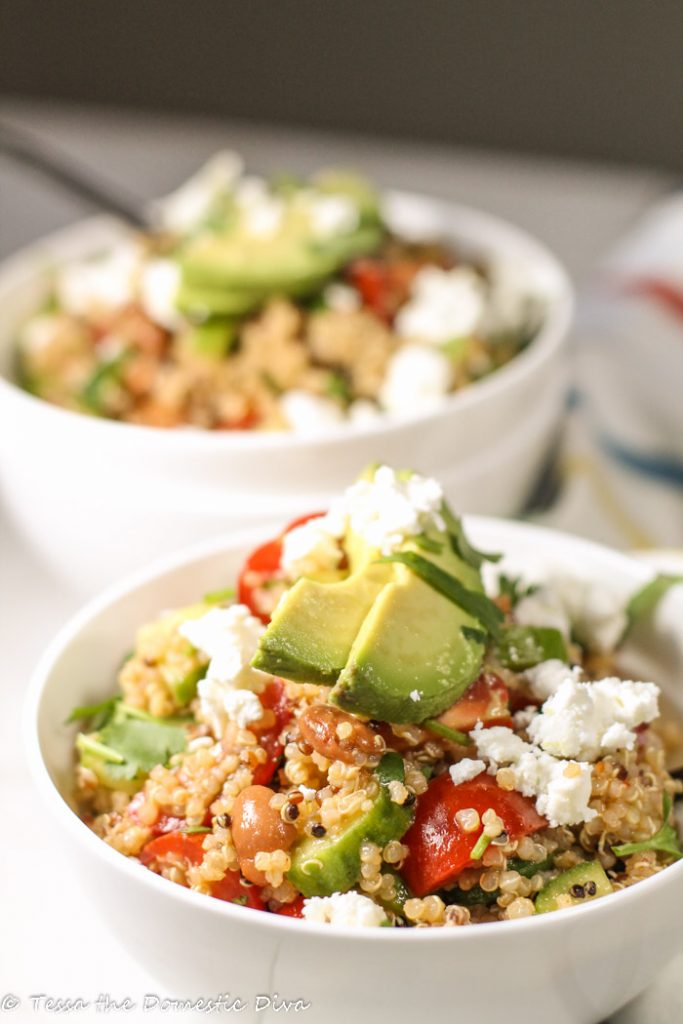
{"x": 664, "y": 841}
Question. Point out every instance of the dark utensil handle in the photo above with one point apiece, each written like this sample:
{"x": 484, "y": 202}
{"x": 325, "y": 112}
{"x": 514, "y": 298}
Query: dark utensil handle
{"x": 46, "y": 160}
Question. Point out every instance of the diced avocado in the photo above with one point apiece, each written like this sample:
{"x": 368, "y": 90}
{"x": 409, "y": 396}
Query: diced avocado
{"x": 315, "y": 624}
{"x": 522, "y": 647}
{"x": 332, "y": 864}
{"x": 184, "y": 688}
{"x": 239, "y": 262}
{"x": 212, "y": 339}
{"x": 584, "y": 882}
{"x": 411, "y": 659}
{"x": 201, "y": 300}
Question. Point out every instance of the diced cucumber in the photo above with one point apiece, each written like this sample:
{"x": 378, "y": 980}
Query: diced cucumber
{"x": 332, "y": 863}
{"x": 584, "y": 882}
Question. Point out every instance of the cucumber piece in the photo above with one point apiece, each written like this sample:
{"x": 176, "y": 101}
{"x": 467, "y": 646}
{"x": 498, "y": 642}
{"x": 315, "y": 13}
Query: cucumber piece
{"x": 321, "y": 867}
{"x": 522, "y": 647}
{"x": 212, "y": 339}
{"x": 584, "y": 882}
{"x": 184, "y": 689}
{"x": 401, "y": 894}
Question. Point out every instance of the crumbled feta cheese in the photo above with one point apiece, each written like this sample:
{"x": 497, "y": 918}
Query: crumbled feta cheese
{"x": 40, "y": 332}
{"x": 363, "y": 412}
{"x": 510, "y": 305}
{"x": 465, "y": 770}
{"x": 416, "y": 380}
{"x": 444, "y": 305}
{"x": 342, "y": 298}
{"x": 544, "y": 607}
{"x": 523, "y": 718}
{"x": 387, "y": 509}
{"x": 560, "y": 788}
{"x": 242, "y": 707}
{"x": 414, "y": 695}
{"x": 264, "y": 219}
{"x": 100, "y": 284}
{"x": 309, "y": 550}
{"x": 546, "y": 678}
{"x": 159, "y": 283}
{"x": 348, "y": 909}
{"x": 587, "y": 720}
{"x": 594, "y": 613}
{"x": 597, "y": 613}
{"x": 308, "y": 414}
{"x": 229, "y": 637}
{"x": 183, "y": 209}
{"x": 332, "y": 215}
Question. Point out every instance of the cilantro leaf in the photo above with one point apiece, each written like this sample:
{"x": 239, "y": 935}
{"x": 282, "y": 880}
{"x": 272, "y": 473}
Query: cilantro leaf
{"x": 478, "y": 605}
{"x": 513, "y": 588}
{"x": 460, "y": 544}
{"x": 439, "y": 729}
{"x": 645, "y": 600}
{"x": 664, "y": 841}
{"x": 143, "y": 743}
{"x": 219, "y": 596}
{"x": 99, "y": 713}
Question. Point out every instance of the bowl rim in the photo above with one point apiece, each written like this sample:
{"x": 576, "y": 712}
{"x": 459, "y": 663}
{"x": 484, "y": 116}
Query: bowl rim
{"x": 552, "y": 334}
{"x": 131, "y": 869}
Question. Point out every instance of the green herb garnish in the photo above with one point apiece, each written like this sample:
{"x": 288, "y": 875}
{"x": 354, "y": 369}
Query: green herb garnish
{"x": 133, "y": 742}
{"x": 664, "y": 841}
{"x": 99, "y": 713}
{"x": 460, "y": 544}
{"x": 218, "y": 596}
{"x": 522, "y": 647}
{"x": 480, "y": 846}
{"x": 439, "y": 729}
{"x": 337, "y": 387}
{"x": 240, "y": 900}
{"x": 513, "y": 588}
{"x": 428, "y": 544}
{"x": 645, "y": 600}
{"x": 478, "y": 605}
{"x": 195, "y": 830}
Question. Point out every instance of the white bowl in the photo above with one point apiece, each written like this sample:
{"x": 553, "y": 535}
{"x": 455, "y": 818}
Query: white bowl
{"x": 150, "y": 490}
{"x": 573, "y": 967}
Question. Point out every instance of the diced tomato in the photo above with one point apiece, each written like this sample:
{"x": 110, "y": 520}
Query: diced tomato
{"x": 247, "y": 422}
{"x": 181, "y": 844}
{"x": 439, "y": 848}
{"x": 232, "y": 889}
{"x": 263, "y": 566}
{"x": 273, "y": 698}
{"x": 486, "y": 701}
{"x": 295, "y": 909}
{"x": 383, "y": 286}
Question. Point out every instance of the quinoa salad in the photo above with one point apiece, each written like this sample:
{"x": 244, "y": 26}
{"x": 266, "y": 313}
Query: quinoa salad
{"x": 281, "y": 304}
{"x": 379, "y": 728}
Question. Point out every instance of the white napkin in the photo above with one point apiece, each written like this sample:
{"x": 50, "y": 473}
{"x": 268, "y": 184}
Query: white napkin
{"x": 622, "y": 468}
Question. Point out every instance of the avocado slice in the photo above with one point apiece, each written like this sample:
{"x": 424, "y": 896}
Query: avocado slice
{"x": 314, "y": 626}
{"x": 200, "y": 300}
{"x": 210, "y": 340}
{"x": 588, "y": 877}
{"x": 240, "y": 263}
{"x": 412, "y": 642}
{"x": 332, "y": 864}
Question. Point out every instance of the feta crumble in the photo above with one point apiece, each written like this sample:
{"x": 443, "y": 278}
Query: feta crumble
{"x": 388, "y": 509}
{"x": 229, "y": 637}
{"x": 100, "y": 284}
{"x": 545, "y": 608}
{"x": 309, "y": 550}
{"x": 243, "y": 707}
{"x": 561, "y": 789}
{"x": 342, "y": 298}
{"x": 182, "y": 210}
{"x": 443, "y": 305}
{"x": 546, "y": 678}
{"x": 332, "y": 215}
{"x": 308, "y": 414}
{"x": 465, "y": 770}
{"x": 348, "y": 909}
{"x": 416, "y": 379}
{"x": 587, "y": 720}
{"x": 159, "y": 284}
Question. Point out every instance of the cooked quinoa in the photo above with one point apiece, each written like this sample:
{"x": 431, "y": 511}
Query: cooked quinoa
{"x": 259, "y": 305}
{"x": 273, "y": 796}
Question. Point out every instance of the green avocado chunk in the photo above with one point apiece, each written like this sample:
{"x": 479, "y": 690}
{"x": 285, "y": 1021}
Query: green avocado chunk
{"x": 315, "y": 624}
{"x": 321, "y": 867}
{"x": 210, "y": 340}
{"x": 411, "y": 659}
{"x": 584, "y": 882}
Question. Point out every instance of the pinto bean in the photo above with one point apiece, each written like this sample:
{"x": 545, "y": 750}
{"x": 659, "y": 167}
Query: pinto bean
{"x": 339, "y": 736}
{"x": 256, "y": 826}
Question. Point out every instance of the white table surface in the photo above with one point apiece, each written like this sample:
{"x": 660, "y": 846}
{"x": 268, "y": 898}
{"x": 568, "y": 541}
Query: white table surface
{"x": 49, "y": 942}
